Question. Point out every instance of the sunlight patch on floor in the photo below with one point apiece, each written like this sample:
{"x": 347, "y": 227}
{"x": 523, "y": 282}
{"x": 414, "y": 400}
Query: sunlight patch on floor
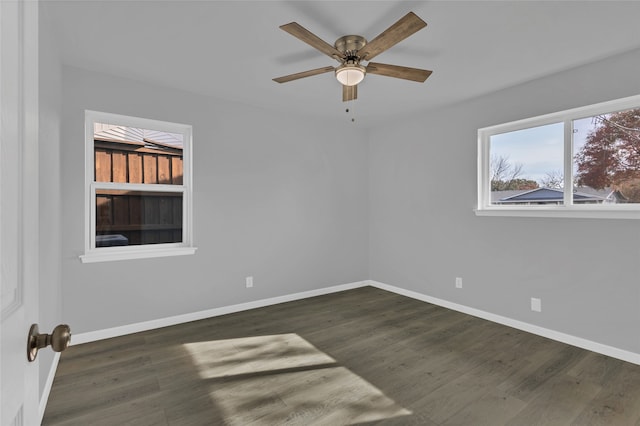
{"x": 232, "y": 357}
{"x": 283, "y": 379}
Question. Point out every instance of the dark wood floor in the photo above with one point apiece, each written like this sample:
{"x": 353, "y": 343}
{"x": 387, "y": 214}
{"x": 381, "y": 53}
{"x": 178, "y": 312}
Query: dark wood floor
{"x": 363, "y": 356}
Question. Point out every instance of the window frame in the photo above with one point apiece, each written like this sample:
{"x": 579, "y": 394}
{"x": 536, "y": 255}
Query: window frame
{"x": 102, "y": 254}
{"x": 568, "y": 209}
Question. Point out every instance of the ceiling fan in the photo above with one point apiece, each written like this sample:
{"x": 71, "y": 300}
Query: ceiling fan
{"x": 352, "y": 50}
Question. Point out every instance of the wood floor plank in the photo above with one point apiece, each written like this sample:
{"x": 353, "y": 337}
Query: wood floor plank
{"x": 471, "y": 386}
{"x": 597, "y": 368}
{"x": 493, "y": 408}
{"x": 564, "y": 358}
{"x": 558, "y": 402}
{"x": 363, "y": 356}
{"x": 128, "y": 413}
{"x": 81, "y": 402}
{"x": 617, "y": 403}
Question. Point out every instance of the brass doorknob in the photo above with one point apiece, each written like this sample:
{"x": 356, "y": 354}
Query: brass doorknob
{"x": 59, "y": 340}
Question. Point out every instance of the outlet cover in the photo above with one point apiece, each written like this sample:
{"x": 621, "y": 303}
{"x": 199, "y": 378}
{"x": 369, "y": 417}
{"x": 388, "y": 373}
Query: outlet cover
{"x": 536, "y": 304}
{"x": 249, "y": 282}
{"x": 458, "y": 282}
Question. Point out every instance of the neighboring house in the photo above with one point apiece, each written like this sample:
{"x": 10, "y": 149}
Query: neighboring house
{"x": 546, "y": 196}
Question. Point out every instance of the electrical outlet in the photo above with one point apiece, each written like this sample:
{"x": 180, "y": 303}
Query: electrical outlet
{"x": 249, "y": 282}
{"x": 536, "y": 304}
{"x": 458, "y": 282}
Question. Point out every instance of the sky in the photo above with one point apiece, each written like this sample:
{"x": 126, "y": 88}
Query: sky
{"x": 539, "y": 149}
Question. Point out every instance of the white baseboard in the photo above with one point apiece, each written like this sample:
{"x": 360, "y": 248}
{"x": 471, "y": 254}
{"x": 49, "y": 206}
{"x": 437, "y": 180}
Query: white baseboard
{"x": 179, "y": 319}
{"x": 92, "y": 336}
{"x": 520, "y": 325}
{"x": 47, "y": 386}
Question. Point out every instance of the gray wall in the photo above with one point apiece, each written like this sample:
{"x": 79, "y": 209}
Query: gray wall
{"x": 283, "y": 199}
{"x": 301, "y": 204}
{"x": 50, "y": 87}
{"x": 423, "y": 231}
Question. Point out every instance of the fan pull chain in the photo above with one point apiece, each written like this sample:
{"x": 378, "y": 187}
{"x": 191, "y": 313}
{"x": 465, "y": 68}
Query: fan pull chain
{"x": 349, "y": 109}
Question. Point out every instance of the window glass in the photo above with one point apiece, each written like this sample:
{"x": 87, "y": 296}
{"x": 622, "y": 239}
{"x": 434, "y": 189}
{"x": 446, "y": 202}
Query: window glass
{"x": 583, "y": 162}
{"x": 138, "y": 188}
{"x": 126, "y": 218}
{"x": 133, "y": 155}
{"x": 606, "y": 158}
{"x": 526, "y": 166}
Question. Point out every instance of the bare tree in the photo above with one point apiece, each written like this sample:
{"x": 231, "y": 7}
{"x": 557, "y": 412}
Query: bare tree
{"x": 506, "y": 176}
{"x": 499, "y": 167}
{"x": 503, "y": 170}
{"x": 553, "y": 179}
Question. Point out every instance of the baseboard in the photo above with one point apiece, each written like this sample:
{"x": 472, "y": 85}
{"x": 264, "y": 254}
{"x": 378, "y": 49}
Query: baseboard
{"x": 520, "y": 325}
{"x": 48, "y": 385}
{"x": 179, "y": 319}
{"x": 108, "y": 333}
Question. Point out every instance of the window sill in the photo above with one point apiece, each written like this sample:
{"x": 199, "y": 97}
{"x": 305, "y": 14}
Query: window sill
{"x": 561, "y": 212}
{"x": 144, "y": 253}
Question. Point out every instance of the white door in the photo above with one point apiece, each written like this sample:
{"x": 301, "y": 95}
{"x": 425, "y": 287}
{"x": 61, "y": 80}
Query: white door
{"x": 18, "y": 209}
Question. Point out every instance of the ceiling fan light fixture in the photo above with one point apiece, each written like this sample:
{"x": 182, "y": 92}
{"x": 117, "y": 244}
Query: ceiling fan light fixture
{"x": 350, "y": 50}
{"x": 350, "y": 74}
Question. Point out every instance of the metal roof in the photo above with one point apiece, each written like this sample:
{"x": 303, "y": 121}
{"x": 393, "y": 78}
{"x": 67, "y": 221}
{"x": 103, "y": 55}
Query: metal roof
{"x": 112, "y": 132}
{"x": 547, "y": 195}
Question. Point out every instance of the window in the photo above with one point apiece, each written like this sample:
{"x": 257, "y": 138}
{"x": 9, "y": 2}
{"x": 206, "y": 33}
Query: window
{"x": 583, "y": 162}
{"x": 138, "y": 188}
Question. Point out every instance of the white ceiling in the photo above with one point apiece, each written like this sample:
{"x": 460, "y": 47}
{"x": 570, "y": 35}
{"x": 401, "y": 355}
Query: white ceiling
{"x": 232, "y": 49}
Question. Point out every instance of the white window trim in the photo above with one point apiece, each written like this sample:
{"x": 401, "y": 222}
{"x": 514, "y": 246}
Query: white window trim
{"x": 568, "y": 210}
{"x": 103, "y": 254}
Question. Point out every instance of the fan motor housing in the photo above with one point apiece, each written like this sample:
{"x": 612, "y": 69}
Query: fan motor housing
{"x": 350, "y": 43}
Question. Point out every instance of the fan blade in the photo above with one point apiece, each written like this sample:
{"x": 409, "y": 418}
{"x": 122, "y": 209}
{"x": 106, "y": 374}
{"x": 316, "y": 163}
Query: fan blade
{"x": 349, "y": 93}
{"x": 407, "y": 25}
{"x": 303, "y": 74}
{"x": 312, "y": 40}
{"x": 406, "y": 73}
